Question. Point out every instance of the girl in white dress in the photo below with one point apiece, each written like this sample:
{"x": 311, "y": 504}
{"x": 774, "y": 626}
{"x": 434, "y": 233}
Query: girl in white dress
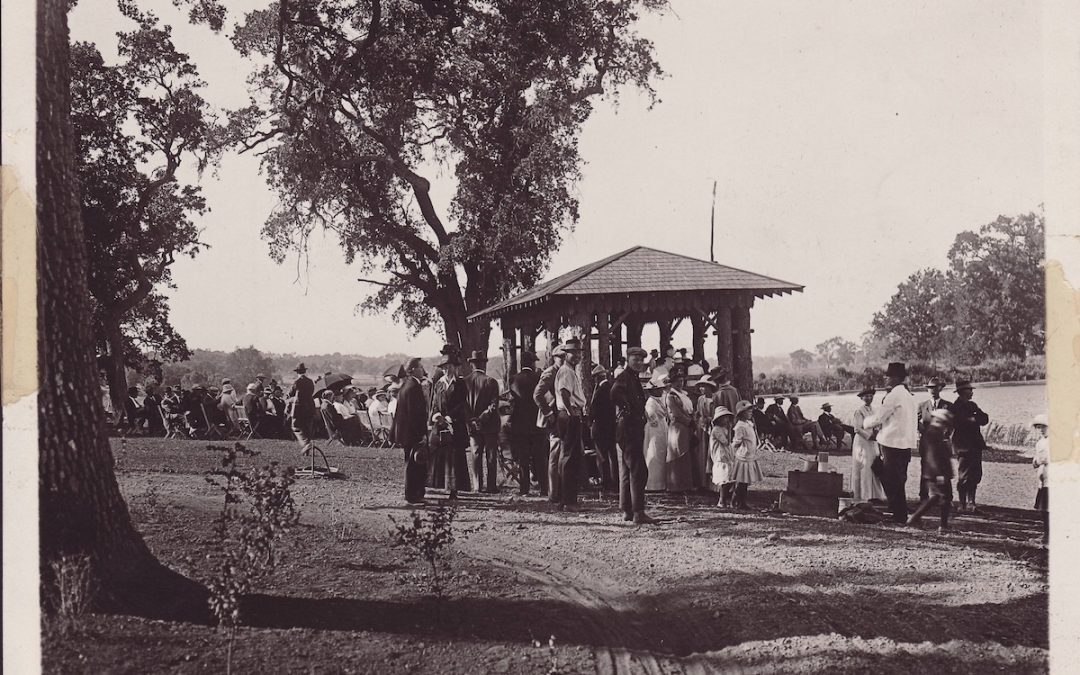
{"x": 656, "y": 435}
{"x": 864, "y": 450}
{"x": 722, "y": 455}
{"x": 744, "y": 443}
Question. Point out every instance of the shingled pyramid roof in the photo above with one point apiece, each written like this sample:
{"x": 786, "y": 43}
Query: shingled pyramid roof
{"x": 644, "y": 270}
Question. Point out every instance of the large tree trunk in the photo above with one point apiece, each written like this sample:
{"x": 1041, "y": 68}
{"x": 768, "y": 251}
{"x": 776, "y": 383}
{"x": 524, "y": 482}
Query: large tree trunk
{"x": 115, "y": 369}
{"x": 81, "y": 508}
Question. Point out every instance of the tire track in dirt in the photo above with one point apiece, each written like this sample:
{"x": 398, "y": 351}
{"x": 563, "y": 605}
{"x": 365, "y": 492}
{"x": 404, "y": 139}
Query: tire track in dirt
{"x": 606, "y": 611}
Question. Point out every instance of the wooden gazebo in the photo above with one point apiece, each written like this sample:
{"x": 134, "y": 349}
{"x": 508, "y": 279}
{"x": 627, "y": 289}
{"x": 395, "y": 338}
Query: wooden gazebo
{"x": 611, "y": 300}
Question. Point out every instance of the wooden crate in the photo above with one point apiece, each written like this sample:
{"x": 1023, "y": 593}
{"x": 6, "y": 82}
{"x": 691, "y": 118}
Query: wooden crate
{"x": 815, "y": 483}
{"x": 809, "y": 505}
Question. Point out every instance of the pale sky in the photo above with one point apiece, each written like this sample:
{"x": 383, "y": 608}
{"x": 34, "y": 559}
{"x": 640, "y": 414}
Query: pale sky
{"x": 851, "y": 141}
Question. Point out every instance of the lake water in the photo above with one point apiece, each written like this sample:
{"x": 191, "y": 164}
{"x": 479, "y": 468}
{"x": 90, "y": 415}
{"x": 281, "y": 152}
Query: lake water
{"x": 1004, "y": 405}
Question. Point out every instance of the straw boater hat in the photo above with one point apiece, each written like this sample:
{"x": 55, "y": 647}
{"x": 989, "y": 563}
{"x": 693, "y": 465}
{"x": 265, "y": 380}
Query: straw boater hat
{"x": 637, "y": 351}
{"x": 572, "y": 345}
{"x": 695, "y": 370}
{"x": 599, "y": 369}
{"x": 935, "y": 382}
{"x": 1040, "y": 420}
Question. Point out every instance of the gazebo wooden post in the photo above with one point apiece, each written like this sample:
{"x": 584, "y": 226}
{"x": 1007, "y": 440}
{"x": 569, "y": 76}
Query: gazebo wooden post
{"x": 724, "y": 346}
{"x": 583, "y": 323}
{"x": 634, "y": 327}
{"x": 528, "y": 338}
{"x": 603, "y": 332}
{"x": 743, "y": 371}
{"x": 509, "y": 350}
{"x": 664, "y": 323}
{"x": 698, "y": 344}
{"x": 616, "y": 335}
{"x": 551, "y": 326}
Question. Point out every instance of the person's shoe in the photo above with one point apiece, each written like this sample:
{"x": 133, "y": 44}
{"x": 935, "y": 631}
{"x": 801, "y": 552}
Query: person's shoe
{"x": 628, "y": 517}
{"x": 943, "y": 530}
{"x": 913, "y": 522}
{"x": 642, "y": 519}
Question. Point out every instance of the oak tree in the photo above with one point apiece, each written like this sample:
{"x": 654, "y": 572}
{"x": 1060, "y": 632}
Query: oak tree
{"x": 359, "y": 106}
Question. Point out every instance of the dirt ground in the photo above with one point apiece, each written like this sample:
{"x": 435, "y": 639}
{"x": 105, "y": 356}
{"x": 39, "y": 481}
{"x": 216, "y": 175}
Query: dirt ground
{"x": 707, "y": 590}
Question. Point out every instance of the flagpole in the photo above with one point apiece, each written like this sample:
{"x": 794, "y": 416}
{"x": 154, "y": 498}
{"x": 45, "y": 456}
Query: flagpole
{"x": 712, "y": 225}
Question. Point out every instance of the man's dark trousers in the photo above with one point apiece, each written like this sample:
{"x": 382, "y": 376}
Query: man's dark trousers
{"x": 531, "y": 453}
{"x": 415, "y": 476}
{"x": 569, "y": 468}
{"x": 484, "y": 447}
{"x": 554, "y": 448}
{"x": 895, "y": 461}
{"x": 633, "y": 475}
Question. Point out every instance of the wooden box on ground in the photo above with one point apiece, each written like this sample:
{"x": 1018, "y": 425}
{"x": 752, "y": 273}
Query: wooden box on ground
{"x": 815, "y": 484}
{"x": 809, "y": 505}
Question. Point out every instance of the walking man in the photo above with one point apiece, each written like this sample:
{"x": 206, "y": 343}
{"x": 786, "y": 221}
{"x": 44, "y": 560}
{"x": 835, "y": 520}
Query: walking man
{"x": 935, "y": 402}
{"x": 570, "y": 407}
{"x": 936, "y": 469}
{"x": 527, "y": 440}
{"x": 897, "y": 438}
{"x": 303, "y": 389}
{"x": 602, "y": 428}
{"x": 409, "y": 430}
{"x": 968, "y": 443}
{"x": 629, "y": 399}
{"x": 481, "y": 405}
{"x": 544, "y": 397}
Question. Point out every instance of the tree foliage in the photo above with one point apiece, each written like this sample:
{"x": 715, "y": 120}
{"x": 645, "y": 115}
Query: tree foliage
{"x": 136, "y": 123}
{"x": 988, "y": 304}
{"x": 801, "y": 359}
{"x": 358, "y": 105}
{"x": 836, "y": 351}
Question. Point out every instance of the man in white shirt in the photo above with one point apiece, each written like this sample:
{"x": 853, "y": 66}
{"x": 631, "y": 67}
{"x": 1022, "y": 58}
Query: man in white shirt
{"x": 897, "y": 438}
{"x": 570, "y": 406}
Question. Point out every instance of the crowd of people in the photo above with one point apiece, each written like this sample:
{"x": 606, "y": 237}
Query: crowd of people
{"x": 654, "y": 423}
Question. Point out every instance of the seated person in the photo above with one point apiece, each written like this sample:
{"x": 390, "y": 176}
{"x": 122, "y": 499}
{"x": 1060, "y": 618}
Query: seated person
{"x": 261, "y": 423}
{"x": 800, "y": 425}
{"x": 173, "y": 410}
{"x": 352, "y": 430}
{"x": 134, "y": 414}
{"x": 831, "y": 426}
{"x": 778, "y": 425}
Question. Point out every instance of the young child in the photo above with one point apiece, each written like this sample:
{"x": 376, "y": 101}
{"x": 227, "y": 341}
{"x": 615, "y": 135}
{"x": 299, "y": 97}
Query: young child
{"x": 1040, "y": 462}
{"x": 721, "y": 454}
{"x": 744, "y": 444}
{"x": 937, "y": 470}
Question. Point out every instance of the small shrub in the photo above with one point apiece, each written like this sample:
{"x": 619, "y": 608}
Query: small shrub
{"x": 71, "y": 593}
{"x": 428, "y": 540}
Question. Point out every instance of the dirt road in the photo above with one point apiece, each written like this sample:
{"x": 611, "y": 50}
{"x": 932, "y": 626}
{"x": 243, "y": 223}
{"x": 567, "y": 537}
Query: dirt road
{"x": 705, "y": 591}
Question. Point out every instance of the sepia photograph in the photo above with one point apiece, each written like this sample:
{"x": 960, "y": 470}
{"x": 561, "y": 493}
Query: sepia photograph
{"x": 503, "y": 336}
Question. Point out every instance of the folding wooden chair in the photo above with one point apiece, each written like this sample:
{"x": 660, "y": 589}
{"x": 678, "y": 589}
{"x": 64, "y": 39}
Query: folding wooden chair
{"x": 172, "y": 426}
{"x": 333, "y": 435}
{"x": 365, "y": 421}
{"x": 211, "y": 428}
{"x": 386, "y": 423}
{"x": 247, "y": 430}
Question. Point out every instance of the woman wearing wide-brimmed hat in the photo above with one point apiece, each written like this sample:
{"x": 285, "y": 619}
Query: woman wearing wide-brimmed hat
{"x": 864, "y": 450}
{"x": 656, "y": 433}
{"x": 680, "y": 461}
{"x": 703, "y": 418}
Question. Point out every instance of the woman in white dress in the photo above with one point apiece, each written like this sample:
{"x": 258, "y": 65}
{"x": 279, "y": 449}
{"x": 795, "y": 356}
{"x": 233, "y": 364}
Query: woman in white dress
{"x": 864, "y": 449}
{"x": 656, "y": 434}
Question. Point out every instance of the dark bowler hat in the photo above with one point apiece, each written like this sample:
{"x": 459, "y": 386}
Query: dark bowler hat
{"x": 449, "y": 349}
{"x": 528, "y": 358}
{"x": 964, "y": 383}
{"x": 867, "y": 390}
{"x": 572, "y": 345}
{"x": 477, "y": 356}
{"x": 300, "y": 368}
{"x": 896, "y": 369}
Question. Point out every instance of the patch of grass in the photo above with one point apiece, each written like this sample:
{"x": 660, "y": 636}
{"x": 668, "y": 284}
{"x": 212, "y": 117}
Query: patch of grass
{"x": 70, "y": 595}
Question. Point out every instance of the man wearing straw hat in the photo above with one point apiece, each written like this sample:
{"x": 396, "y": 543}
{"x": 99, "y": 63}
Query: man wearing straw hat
{"x": 968, "y": 443}
{"x": 570, "y": 407}
{"x": 629, "y": 398}
{"x": 544, "y": 397}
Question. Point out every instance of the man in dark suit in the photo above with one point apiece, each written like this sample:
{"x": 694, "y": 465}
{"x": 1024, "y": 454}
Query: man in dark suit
{"x": 481, "y": 409}
{"x": 409, "y": 430}
{"x": 602, "y": 427}
{"x": 528, "y": 441}
{"x": 629, "y": 398}
{"x": 449, "y": 429}
{"x": 968, "y": 443}
{"x": 256, "y": 413}
{"x": 303, "y": 391}
{"x": 544, "y": 398}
